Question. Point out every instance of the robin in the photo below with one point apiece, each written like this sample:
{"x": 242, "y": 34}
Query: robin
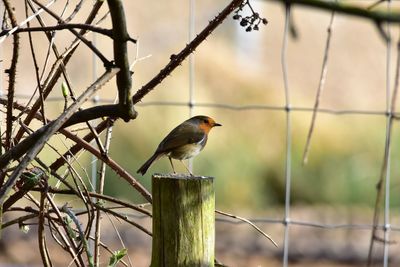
{"x": 183, "y": 142}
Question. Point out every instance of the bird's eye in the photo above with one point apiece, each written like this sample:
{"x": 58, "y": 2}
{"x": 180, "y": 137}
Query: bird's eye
{"x": 205, "y": 121}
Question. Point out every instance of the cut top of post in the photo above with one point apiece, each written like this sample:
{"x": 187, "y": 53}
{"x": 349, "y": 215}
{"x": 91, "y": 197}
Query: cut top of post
{"x": 180, "y": 176}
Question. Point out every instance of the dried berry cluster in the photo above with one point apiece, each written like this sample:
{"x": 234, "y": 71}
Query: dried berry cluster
{"x": 250, "y": 22}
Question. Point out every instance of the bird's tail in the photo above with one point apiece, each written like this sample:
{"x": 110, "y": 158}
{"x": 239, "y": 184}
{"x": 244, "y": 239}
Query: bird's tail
{"x": 142, "y": 170}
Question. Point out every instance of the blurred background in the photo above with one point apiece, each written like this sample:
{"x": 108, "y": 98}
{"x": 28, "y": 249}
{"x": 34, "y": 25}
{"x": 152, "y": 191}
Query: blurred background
{"x": 236, "y": 78}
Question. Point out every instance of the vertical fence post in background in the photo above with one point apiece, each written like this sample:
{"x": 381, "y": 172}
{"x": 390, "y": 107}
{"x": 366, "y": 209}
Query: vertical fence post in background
{"x": 183, "y": 221}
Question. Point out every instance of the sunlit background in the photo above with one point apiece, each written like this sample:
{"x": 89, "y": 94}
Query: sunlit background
{"x": 237, "y": 79}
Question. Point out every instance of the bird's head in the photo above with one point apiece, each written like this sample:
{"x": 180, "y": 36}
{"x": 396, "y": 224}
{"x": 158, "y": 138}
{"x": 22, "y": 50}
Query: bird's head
{"x": 205, "y": 123}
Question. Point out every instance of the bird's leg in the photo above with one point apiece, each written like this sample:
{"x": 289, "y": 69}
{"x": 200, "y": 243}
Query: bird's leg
{"x": 191, "y": 174}
{"x": 172, "y": 165}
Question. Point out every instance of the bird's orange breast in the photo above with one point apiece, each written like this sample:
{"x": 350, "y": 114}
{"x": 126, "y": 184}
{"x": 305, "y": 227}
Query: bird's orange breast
{"x": 205, "y": 127}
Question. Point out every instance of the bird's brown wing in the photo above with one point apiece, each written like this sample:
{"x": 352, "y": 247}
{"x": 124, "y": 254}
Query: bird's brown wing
{"x": 180, "y": 136}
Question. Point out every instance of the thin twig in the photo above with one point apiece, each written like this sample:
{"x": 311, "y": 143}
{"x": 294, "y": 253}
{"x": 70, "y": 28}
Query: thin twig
{"x": 137, "y": 58}
{"x": 124, "y": 204}
{"x": 75, "y": 11}
{"x": 41, "y": 234}
{"x": 347, "y": 9}
{"x": 96, "y": 138}
{"x": 36, "y": 67}
{"x": 177, "y": 59}
{"x": 28, "y": 142}
{"x": 71, "y": 91}
{"x": 47, "y": 131}
{"x": 12, "y": 71}
{"x": 119, "y": 237}
{"x": 384, "y": 175}
{"x": 69, "y": 242}
{"x": 89, "y": 44}
{"x": 111, "y": 163}
{"x": 100, "y": 190}
{"x": 124, "y": 218}
{"x": 77, "y": 147}
{"x": 86, "y": 200}
{"x": 64, "y": 8}
{"x": 248, "y": 222}
{"x": 81, "y": 234}
{"x": 54, "y": 230}
{"x": 58, "y": 67}
{"x": 375, "y": 4}
{"x": 60, "y": 27}
{"x": 16, "y": 27}
{"x": 118, "y": 169}
{"x": 321, "y": 85}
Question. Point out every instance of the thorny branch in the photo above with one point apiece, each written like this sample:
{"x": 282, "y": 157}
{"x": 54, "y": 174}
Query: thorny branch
{"x": 89, "y": 44}
{"x": 86, "y": 27}
{"x": 36, "y": 66}
{"x": 341, "y": 7}
{"x": 12, "y": 77}
{"x": 176, "y": 60}
{"x": 58, "y": 69}
{"x": 81, "y": 234}
{"x": 40, "y": 137}
{"x": 83, "y": 143}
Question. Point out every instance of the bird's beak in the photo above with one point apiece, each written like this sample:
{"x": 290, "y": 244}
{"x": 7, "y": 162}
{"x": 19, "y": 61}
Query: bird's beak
{"x": 217, "y": 124}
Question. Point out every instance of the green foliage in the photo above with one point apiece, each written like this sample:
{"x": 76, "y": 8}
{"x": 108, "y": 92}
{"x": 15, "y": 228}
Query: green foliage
{"x": 24, "y": 228}
{"x": 64, "y": 89}
{"x": 71, "y": 232}
{"x": 116, "y": 257}
{"x": 30, "y": 178}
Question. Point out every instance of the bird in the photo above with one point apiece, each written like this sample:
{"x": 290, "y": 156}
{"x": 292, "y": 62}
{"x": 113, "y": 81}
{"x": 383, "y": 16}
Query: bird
{"x": 183, "y": 142}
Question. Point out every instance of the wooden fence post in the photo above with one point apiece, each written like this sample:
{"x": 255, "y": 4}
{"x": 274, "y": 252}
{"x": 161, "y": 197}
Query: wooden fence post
{"x": 183, "y": 221}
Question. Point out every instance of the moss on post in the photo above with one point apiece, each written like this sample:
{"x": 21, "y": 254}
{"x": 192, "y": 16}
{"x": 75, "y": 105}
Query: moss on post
{"x": 183, "y": 221}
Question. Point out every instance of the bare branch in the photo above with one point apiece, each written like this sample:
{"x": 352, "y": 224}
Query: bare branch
{"x": 58, "y": 69}
{"x": 340, "y": 7}
{"x": 59, "y": 162}
{"x": 12, "y": 75}
{"x": 40, "y": 137}
{"x": 176, "y": 60}
{"x": 100, "y": 189}
{"x": 124, "y": 79}
{"x": 59, "y": 27}
{"x": 111, "y": 163}
{"x": 81, "y": 234}
{"x": 248, "y": 222}
{"x": 384, "y": 174}
{"x": 116, "y": 214}
{"x": 24, "y": 22}
{"x": 76, "y": 10}
{"x": 41, "y": 234}
{"x": 320, "y": 88}
{"x": 70, "y": 244}
{"x": 36, "y": 67}
{"x": 77, "y": 147}
{"x": 89, "y": 44}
